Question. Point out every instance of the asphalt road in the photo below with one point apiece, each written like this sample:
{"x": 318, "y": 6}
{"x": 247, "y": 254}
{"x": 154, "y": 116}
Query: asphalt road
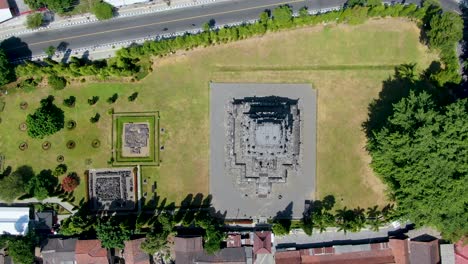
{"x": 130, "y": 28}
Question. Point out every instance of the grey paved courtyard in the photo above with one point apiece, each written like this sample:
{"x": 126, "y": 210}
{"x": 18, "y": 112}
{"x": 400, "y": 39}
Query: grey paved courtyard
{"x": 263, "y": 148}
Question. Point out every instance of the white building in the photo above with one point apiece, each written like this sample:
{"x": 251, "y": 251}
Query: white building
{"x": 14, "y": 220}
{"x": 5, "y": 12}
{"x": 118, "y": 3}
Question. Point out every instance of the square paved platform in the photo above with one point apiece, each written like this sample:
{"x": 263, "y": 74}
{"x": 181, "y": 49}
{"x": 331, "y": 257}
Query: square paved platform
{"x": 263, "y": 148}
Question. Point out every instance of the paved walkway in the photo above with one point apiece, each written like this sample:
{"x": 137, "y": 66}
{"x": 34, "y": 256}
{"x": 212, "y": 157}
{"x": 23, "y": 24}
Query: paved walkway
{"x": 68, "y": 206}
{"x": 298, "y": 237}
{"x": 16, "y": 26}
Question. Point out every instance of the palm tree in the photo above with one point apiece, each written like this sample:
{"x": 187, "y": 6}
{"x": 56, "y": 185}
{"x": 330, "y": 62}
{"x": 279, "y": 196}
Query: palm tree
{"x": 406, "y": 71}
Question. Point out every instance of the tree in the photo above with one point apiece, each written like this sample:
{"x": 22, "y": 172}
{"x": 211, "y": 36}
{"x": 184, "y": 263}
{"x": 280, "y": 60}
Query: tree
{"x": 112, "y": 234}
{"x": 46, "y": 120}
{"x": 7, "y": 73}
{"x": 15, "y": 184}
{"x": 34, "y": 21}
{"x": 133, "y": 97}
{"x": 103, "y": 10}
{"x": 155, "y": 242}
{"x": 93, "y": 100}
{"x": 95, "y": 118}
{"x": 113, "y": 98}
{"x": 70, "y": 101}
{"x": 282, "y": 16}
{"x": 421, "y": 154}
{"x": 60, "y": 170}
{"x": 50, "y": 51}
{"x": 70, "y": 182}
{"x": 21, "y": 250}
{"x": 446, "y": 29}
{"x": 77, "y": 224}
{"x": 406, "y": 71}
{"x": 57, "y": 82}
{"x": 42, "y": 185}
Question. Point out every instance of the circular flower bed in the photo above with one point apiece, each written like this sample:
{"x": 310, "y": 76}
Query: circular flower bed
{"x": 46, "y": 145}
{"x": 23, "y": 127}
{"x": 96, "y": 143}
{"x": 71, "y": 144}
{"x": 60, "y": 158}
{"x": 23, "y": 146}
{"x": 24, "y": 105}
{"x": 71, "y": 124}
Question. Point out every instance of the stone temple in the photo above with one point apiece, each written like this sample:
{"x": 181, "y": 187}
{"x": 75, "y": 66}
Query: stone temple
{"x": 112, "y": 189}
{"x": 263, "y": 141}
{"x": 262, "y": 149}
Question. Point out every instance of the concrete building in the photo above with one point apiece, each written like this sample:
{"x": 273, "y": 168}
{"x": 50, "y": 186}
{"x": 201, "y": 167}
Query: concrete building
{"x": 14, "y": 220}
{"x": 5, "y": 12}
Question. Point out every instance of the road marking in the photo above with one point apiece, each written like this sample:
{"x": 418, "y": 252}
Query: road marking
{"x": 158, "y": 23}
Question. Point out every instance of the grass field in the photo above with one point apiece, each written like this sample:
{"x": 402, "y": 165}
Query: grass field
{"x": 346, "y": 64}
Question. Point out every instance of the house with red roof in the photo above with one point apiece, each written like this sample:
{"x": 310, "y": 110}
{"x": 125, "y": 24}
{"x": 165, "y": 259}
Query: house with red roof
{"x": 133, "y": 253}
{"x": 5, "y": 12}
{"x": 90, "y": 252}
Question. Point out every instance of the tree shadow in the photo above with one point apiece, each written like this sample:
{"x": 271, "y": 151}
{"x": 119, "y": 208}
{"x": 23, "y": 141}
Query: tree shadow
{"x": 6, "y": 172}
{"x": 16, "y": 49}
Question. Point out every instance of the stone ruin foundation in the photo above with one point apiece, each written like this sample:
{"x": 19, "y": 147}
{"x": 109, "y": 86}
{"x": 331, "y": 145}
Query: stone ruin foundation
{"x": 263, "y": 138}
{"x": 135, "y": 138}
{"x": 112, "y": 189}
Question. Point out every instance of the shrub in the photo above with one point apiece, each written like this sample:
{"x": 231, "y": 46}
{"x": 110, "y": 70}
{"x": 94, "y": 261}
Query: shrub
{"x": 70, "y": 182}
{"x": 95, "y": 118}
{"x": 71, "y": 124}
{"x": 34, "y": 20}
{"x": 103, "y": 10}
{"x": 70, "y": 101}
{"x": 60, "y": 170}
{"x": 133, "y": 97}
{"x": 57, "y": 82}
{"x": 113, "y": 98}
{"x": 93, "y": 100}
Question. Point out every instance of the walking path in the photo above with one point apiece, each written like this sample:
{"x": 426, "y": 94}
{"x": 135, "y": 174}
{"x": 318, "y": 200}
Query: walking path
{"x": 16, "y": 26}
{"x": 54, "y": 200}
{"x": 298, "y": 237}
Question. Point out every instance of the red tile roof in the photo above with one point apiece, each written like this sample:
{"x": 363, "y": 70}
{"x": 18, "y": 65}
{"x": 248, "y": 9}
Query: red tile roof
{"x": 90, "y": 252}
{"x": 262, "y": 242}
{"x": 363, "y": 257}
{"x": 4, "y": 4}
{"x": 461, "y": 253}
{"x": 399, "y": 248}
{"x": 133, "y": 253}
{"x": 288, "y": 257}
{"x": 234, "y": 240}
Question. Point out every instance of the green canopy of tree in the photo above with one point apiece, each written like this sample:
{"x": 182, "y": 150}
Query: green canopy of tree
{"x": 77, "y": 224}
{"x": 56, "y": 82}
{"x": 50, "y": 51}
{"x": 46, "y": 120}
{"x": 422, "y": 155}
{"x": 14, "y": 185}
{"x": 112, "y": 234}
{"x": 7, "y": 73}
{"x": 59, "y": 6}
{"x": 21, "y": 250}
{"x": 282, "y": 15}
{"x": 155, "y": 242}
{"x": 370, "y": 3}
{"x": 103, "y": 10}
{"x": 42, "y": 185}
{"x": 446, "y": 29}
{"x": 34, "y": 20}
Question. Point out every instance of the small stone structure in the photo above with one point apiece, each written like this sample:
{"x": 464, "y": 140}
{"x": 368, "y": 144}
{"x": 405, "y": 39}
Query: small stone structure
{"x": 112, "y": 189}
{"x": 135, "y": 138}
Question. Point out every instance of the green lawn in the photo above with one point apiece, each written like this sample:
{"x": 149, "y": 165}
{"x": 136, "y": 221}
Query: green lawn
{"x": 346, "y": 64}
